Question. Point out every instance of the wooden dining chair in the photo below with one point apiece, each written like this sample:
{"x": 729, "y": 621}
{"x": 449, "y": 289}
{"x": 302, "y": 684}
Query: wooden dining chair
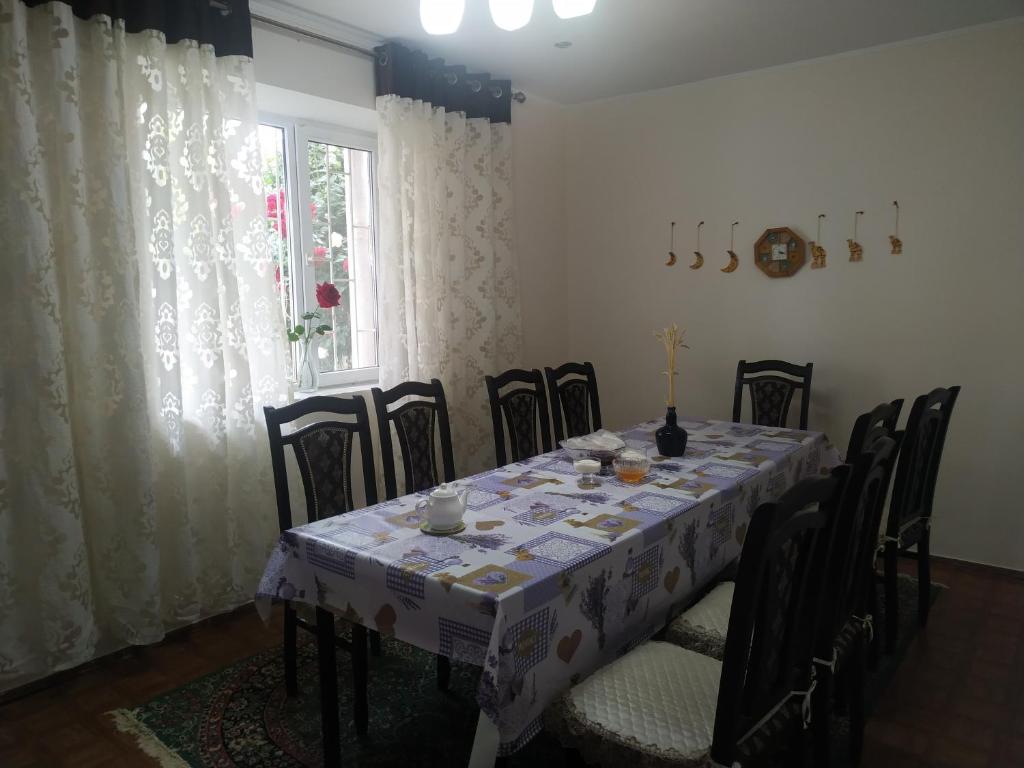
{"x": 524, "y": 407}
{"x": 423, "y": 430}
{"x": 910, "y": 511}
{"x": 846, "y": 625}
{"x": 575, "y": 405}
{"x": 664, "y": 705}
{"x": 323, "y": 451}
{"x": 702, "y": 626}
{"x": 772, "y": 384}
{"x": 880, "y": 422}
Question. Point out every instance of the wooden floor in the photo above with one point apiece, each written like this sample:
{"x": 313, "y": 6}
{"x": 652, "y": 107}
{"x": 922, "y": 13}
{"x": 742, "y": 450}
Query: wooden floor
{"x": 957, "y": 700}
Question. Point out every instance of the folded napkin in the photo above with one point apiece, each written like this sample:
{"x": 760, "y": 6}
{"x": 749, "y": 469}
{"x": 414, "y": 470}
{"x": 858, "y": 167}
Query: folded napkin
{"x": 602, "y": 440}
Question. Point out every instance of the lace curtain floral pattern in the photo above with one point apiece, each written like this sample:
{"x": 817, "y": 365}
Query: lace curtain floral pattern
{"x": 448, "y": 288}
{"x": 141, "y": 338}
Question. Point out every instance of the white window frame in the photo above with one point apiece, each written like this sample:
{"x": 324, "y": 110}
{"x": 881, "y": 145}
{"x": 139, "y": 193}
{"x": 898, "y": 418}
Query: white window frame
{"x": 297, "y": 132}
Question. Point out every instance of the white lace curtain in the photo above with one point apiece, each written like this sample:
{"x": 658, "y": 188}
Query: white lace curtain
{"x": 140, "y": 338}
{"x": 448, "y": 288}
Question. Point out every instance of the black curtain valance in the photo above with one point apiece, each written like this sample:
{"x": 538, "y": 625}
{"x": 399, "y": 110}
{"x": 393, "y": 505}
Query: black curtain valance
{"x": 414, "y": 75}
{"x": 224, "y": 24}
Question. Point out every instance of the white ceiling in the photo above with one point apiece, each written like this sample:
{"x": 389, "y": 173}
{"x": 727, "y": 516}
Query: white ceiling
{"x": 636, "y": 45}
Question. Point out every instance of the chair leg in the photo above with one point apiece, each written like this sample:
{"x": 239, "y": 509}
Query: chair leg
{"x": 375, "y": 643}
{"x": 360, "y": 663}
{"x": 840, "y": 684}
{"x": 873, "y": 642}
{"x": 291, "y": 663}
{"x": 444, "y": 672}
{"x": 892, "y": 598}
{"x": 857, "y": 678}
{"x": 924, "y": 578}
{"x": 821, "y": 704}
{"x": 802, "y": 750}
{"x": 327, "y": 663}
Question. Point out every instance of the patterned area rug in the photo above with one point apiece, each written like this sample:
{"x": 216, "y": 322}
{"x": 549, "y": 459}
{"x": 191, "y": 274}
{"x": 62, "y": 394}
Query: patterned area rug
{"x": 241, "y": 716}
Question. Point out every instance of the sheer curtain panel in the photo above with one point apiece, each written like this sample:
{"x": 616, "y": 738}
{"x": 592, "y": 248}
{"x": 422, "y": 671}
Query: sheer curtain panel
{"x": 449, "y": 289}
{"x": 140, "y": 337}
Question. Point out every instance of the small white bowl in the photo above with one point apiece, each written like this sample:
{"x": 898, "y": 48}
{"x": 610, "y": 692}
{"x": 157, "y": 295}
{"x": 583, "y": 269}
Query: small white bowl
{"x": 587, "y": 466}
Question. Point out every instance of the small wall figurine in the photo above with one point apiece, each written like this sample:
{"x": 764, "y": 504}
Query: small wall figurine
{"x": 894, "y": 239}
{"x": 856, "y": 249}
{"x": 818, "y": 253}
{"x": 699, "y": 261}
{"x": 734, "y": 260}
{"x": 672, "y": 248}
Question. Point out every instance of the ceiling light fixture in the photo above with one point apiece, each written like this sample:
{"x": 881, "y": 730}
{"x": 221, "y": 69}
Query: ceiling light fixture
{"x": 570, "y": 9}
{"x": 511, "y": 15}
{"x": 563, "y": 44}
{"x": 441, "y": 17}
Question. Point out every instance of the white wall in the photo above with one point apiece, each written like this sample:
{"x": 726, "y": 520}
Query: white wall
{"x": 938, "y": 125}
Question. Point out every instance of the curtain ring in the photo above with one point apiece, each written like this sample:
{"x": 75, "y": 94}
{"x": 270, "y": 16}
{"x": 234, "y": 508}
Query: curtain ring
{"x": 451, "y": 78}
{"x": 474, "y": 85}
{"x": 496, "y": 91}
{"x": 383, "y": 58}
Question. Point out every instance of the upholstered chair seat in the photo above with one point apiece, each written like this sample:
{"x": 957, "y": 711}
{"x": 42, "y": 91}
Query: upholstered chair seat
{"x": 702, "y": 627}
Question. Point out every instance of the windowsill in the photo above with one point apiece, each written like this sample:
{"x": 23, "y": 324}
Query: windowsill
{"x": 335, "y": 390}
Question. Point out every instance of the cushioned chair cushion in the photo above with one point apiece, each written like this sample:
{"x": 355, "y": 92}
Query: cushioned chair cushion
{"x": 653, "y": 707}
{"x": 703, "y": 627}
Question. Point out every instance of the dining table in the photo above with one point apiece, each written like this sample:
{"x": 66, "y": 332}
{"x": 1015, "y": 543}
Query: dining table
{"x": 548, "y": 581}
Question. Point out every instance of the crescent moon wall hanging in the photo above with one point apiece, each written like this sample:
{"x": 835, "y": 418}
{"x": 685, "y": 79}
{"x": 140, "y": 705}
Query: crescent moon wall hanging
{"x": 894, "y": 238}
{"x": 856, "y": 249}
{"x": 734, "y": 260}
{"x": 818, "y": 253}
{"x": 672, "y": 247}
{"x": 699, "y": 262}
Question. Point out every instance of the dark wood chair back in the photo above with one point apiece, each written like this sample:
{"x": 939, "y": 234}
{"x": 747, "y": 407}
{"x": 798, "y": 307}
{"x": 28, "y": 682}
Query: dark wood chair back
{"x": 920, "y": 455}
{"x": 768, "y": 646}
{"x": 323, "y": 452}
{"x": 525, "y": 410}
{"x": 772, "y": 384}
{"x": 870, "y": 427}
{"x": 420, "y": 423}
{"x": 575, "y": 405}
{"x": 851, "y": 563}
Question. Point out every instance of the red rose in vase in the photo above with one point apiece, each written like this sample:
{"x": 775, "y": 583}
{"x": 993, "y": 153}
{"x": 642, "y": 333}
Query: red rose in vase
{"x": 327, "y": 296}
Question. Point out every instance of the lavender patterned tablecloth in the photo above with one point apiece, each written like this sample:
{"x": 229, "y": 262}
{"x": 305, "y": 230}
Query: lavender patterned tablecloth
{"x": 548, "y": 582}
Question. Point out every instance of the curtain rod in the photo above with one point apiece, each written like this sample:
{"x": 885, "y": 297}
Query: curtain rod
{"x": 517, "y": 96}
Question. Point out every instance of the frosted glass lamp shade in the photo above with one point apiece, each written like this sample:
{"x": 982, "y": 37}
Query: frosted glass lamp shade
{"x": 570, "y": 9}
{"x": 511, "y": 15}
{"x": 441, "y": 17}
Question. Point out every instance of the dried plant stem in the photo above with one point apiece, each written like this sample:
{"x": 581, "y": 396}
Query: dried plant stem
{"x": 672, "y": 339}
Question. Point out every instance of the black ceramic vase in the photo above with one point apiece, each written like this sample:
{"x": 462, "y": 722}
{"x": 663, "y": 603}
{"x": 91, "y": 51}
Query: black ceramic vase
{"x": 671, "y": 438}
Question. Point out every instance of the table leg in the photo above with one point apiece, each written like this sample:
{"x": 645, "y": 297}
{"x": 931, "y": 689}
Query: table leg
{"x": 360, "y": 711}
{"x": 327, "y": 662}
{"x": 485, "y": 745}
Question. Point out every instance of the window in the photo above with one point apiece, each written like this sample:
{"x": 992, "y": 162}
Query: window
{"x": 322, "y": 179}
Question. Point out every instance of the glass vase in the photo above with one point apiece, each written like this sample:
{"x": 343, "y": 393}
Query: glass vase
{"x": 309, "y": 367}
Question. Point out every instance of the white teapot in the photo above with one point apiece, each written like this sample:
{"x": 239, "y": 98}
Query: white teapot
{"x": 445, "y": 506}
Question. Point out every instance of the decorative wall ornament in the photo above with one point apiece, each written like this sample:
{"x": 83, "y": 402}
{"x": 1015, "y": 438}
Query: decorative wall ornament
{"x": 780, "y": 252}
{"x": 856, "y": 249}
{"x": 894, "y": 238}
{"x": 699, "y": 262}
{"x": 734, "y": 260}
{"x": 818, "y": 252}
{"x": 672, "y": 247}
